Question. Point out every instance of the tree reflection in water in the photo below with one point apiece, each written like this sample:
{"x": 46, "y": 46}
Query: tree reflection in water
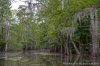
{"x": 45, "y": 59}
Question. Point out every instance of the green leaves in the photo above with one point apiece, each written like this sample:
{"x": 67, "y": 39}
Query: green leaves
{"x": 42, "y": 28}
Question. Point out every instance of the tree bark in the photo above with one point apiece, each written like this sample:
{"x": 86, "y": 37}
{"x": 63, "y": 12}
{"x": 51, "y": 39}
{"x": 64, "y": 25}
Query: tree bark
{"x": 94, "y": 31}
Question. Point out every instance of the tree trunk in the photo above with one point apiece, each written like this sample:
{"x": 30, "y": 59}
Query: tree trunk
{"x": 75, "y": 47}
{"x": 62, "y": 4}
{"x": 94, "y": 22}
{"x": 6, "y": 34}
{"x": 66, "y": 51}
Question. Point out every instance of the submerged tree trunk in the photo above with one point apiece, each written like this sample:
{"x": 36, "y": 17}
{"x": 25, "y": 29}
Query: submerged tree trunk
{"x": 94, "y": 22}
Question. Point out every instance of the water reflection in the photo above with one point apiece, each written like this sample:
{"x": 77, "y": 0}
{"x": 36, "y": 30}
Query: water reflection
{"x": 2, "y": 62}
{"x": 45, "y": 59}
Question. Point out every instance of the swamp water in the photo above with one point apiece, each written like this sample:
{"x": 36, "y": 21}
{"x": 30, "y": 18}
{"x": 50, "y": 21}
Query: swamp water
{"x": 45, "y": 59}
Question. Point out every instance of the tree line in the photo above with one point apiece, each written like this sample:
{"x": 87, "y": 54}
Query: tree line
{"x": 64, "y": 26}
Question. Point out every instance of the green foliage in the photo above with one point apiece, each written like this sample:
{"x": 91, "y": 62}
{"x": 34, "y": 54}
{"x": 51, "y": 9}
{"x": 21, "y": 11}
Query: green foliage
{"x": 43, "y": 29}
{"x": 5, "y": 13}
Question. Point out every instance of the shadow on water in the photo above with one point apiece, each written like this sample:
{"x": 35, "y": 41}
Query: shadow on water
{"x": 45, "y": 59}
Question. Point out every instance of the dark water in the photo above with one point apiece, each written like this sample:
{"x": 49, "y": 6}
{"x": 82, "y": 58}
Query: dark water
{"x": 45, "y": 59}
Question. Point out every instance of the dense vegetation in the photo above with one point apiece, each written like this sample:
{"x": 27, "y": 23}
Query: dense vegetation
{"x": 65, "y": 26}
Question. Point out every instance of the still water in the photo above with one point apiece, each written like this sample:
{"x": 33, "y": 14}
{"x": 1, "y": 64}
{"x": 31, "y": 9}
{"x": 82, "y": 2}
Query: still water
{"x": 45, "y": 59}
